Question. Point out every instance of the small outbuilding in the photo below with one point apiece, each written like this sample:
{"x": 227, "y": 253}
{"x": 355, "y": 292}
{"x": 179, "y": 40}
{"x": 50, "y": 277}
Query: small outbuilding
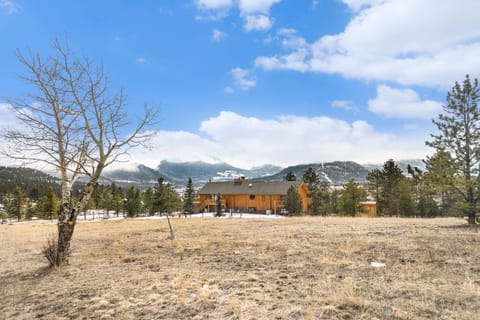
{"x": 366, "y": 209}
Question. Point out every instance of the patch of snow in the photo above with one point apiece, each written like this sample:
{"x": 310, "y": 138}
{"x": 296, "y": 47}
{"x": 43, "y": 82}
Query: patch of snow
{"x": 376, "y": 264}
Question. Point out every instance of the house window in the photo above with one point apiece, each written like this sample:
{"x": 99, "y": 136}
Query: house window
{"x": 263, "y": 198}
{"x": 252, "y": 197}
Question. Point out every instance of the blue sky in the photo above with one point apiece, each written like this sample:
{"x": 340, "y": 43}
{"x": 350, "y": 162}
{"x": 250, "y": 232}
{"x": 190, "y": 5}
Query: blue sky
{"x": 251, "y": 82}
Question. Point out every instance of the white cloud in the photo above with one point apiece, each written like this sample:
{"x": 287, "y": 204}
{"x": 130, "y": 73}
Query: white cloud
{"x": 9, "y": 7}
{"x": 176, "y": 146}
{"x": 356, "y": 5}
{"x": 347, "y": 105}
{"x": 403, "y": 103}
{"x": 248, "y": 141}
{"x": 296, "y": 59}
{"x": 243, "y": 78}
{"x": 284, "y": 140}
{"x": 218, "y": 35}
{"x": 255, "y": 13}
{"x": 256, "y": 6}
{"x": 7, "y": 116}
{"x": 8, "y": 120}
{"x": 214, "y": 4}
{"x": 258, "y": 22}
{"x": 213, "y": 10}
{"x": 409, "y": 42}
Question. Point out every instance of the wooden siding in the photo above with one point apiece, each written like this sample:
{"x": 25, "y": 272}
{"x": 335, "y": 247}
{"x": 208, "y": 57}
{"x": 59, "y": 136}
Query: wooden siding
{"x": 257, "y": 202}
{"x": 367, "y": 209}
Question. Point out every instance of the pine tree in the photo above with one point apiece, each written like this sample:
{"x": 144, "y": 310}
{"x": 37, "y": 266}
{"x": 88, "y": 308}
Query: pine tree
{"x": 391, "y": 176}
{"x": 320, "y": 196}
{"x": 48, "y": 204}
{"x": 133, "y": 203}
{"x": 425, "y": 204}
{"x": 16, "y": 203}
{"x": 439, "y": 179}
{"x": 290, "y": 176}
{"x": 351, "y": 195}
{"x": 166, "y": 199}
{"x": 293, "y": 202}
{"x": 149, "y": 201}
{"x": 188, "y": 197}
{"x": 310, "y": 177}
{"x": 117, "y": 199}
{"x": 374, "y": 185}
{"x": 392, "y": 190}
{"x": 459, "y": 135}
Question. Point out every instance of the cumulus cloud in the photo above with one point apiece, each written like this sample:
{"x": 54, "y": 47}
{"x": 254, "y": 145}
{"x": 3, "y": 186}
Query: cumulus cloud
{"x": 255, "y": 6}
{"x": 218, "y": 36}
{"x": 257, "y": 22}
{"x": 213, "y": 10}
{"x": 404, "y": 41}
{"x": 8, "y": 120}
{"x": 9, "y": 7}
{"x": 175, "y": 146}
{"x": 356, "y": 5}
{"x": 7, "y": 116}
{"x": 255, "y": 13}
{"x": 243, "y": 78}
{"x": 284, "y": 140}
{"x": 403, "y": 103}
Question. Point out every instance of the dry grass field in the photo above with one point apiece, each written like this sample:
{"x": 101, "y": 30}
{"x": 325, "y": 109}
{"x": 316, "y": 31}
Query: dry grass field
{"x": 292, "y": 268}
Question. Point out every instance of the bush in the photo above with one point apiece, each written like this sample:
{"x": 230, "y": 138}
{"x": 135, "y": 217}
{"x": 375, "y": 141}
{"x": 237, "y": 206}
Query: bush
{"x": 50, "y": 250}
{"x": 3, "y": 217}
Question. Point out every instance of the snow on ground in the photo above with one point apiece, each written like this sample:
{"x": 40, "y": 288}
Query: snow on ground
{"x": 211, "y": 215}
{"x": 98, "y": 215}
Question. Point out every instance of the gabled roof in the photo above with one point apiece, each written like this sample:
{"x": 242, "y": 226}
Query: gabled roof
{"x": 244, "y": 186}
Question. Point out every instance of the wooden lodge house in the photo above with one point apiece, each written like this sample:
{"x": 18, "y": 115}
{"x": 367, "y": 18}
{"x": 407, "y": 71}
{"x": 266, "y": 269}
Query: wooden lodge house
{"x": 250, "y": 196}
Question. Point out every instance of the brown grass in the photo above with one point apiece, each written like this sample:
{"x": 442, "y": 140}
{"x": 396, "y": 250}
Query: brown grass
{"x": 294, "y": 268}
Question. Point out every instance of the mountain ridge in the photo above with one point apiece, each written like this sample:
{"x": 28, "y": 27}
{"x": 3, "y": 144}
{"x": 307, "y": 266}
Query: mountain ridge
{"x": 178, "y": 173}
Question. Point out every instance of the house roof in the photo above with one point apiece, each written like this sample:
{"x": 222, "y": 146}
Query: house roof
{"x": 247, "y": 187}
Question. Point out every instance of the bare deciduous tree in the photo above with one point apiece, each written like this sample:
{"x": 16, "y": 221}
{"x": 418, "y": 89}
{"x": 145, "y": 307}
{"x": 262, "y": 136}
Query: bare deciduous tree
{"x": 72, "y": 122}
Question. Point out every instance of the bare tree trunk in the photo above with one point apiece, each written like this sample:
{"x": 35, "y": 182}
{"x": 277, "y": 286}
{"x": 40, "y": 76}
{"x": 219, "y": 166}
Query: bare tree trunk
{"x": 67, "y": 219}
{"x": 65, "y": 229}
{"x": 65, "y": 232}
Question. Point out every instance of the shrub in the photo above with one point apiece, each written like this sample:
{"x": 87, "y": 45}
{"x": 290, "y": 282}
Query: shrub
{"x": 50, "y": 250}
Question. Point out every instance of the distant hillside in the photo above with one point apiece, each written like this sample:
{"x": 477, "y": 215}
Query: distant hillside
{"x": 335, "y": 173}
{"x": 178, "y": 173}
{"x": 34, "y": 182}
{"x": 142, "y": 177}
{"x": 402, "y": 164}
